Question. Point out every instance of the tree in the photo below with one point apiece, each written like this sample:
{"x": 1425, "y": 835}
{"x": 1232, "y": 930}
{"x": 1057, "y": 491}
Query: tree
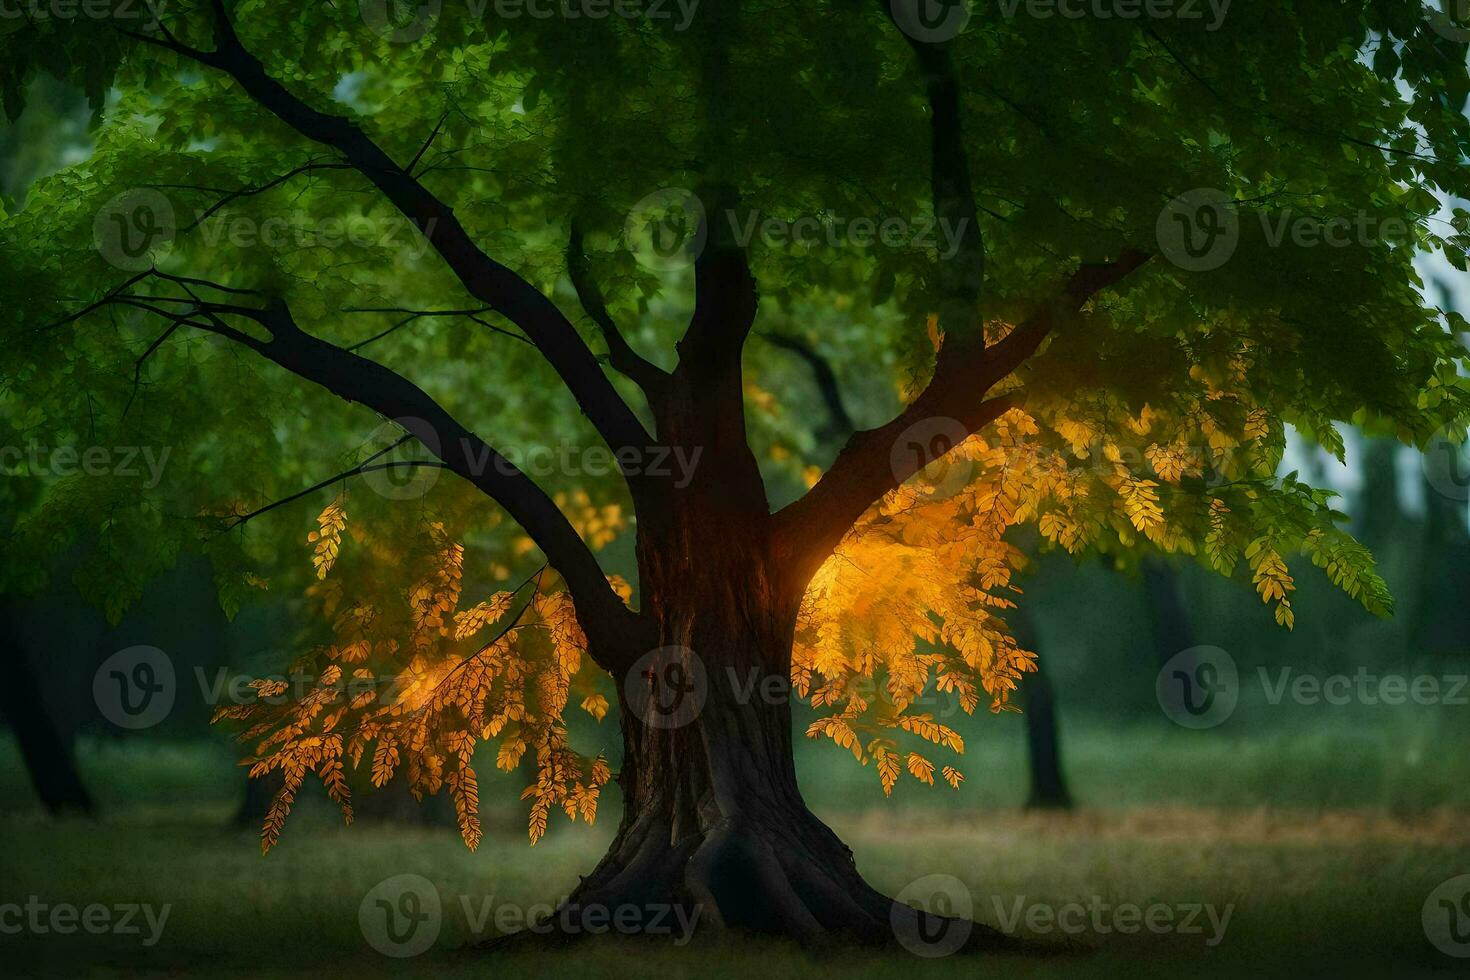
{"x": 45, "y": 746}
{"x": 1048, "y": 784}
{"x": 1080, "y": 342}
{"x": 45, "y": 749}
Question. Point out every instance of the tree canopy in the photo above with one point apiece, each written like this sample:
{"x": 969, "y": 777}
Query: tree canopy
{"x": 1099, "y": 265}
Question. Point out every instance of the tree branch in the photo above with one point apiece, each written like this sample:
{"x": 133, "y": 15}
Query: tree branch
{"x": 1265, "y": 109}
{"x": 412, "y": 315}
{"x": 962, "y": 275}
{"x": 366, "y": 466}
{"x": 235, "y": 195}
{"x": 620, "y": 354}
{"x": 839, "y": 421}
{"x": 356, "y": 379}
{"x": 965, "y": 369}
{"x": 138, "y": 364}
{"x": 726, "y": 296}
{"x": 867, "y": 468}
{"x": 487, "y": 280}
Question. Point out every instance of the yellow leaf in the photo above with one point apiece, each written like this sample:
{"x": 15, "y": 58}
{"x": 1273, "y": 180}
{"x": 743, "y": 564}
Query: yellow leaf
{"x": 921, "y": 768}
{"x": 595, "y": 705}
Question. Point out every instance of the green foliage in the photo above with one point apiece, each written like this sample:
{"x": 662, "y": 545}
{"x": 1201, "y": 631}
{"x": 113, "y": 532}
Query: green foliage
{"x": 1078, "y": 134}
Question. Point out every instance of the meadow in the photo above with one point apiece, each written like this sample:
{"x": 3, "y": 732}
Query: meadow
{"x": 1320, "y": 845}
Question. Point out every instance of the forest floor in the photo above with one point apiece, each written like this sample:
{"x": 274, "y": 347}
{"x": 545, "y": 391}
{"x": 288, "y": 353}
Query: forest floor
{"x": 1264, "y": 890}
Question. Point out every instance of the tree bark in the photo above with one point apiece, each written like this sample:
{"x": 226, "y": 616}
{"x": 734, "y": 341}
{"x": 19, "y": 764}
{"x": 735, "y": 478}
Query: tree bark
{"x": 713, "y": 819}
{"x": 715, "y": 824}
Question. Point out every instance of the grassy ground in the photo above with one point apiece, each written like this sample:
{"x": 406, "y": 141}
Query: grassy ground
{"x": 1312, "y": 890}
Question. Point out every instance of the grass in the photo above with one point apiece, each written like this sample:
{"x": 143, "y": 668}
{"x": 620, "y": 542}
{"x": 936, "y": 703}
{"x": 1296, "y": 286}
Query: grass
{"x": 1321, "y": 875}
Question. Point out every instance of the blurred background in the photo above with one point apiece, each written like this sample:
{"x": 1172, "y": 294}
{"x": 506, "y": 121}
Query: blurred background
{"x": 1325, "y": 819}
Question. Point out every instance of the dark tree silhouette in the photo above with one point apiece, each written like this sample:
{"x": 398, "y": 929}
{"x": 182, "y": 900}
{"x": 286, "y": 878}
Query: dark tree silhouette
{"x": 45, "y": 748}
{"x": 1048, "y": 785}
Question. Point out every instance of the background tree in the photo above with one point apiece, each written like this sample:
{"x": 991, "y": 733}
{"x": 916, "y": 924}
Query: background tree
{"x": 59, "y": 111}
{"x": 1063, "y": 360}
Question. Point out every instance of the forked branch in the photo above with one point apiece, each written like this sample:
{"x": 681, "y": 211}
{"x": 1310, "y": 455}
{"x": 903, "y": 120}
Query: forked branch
{"x": 620, "y": 354}
{"x": 966, "y": 369}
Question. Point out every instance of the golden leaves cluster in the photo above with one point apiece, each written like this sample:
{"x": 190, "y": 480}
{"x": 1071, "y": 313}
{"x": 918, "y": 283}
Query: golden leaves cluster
{"x": 415, "y": 678}
{"x": 913, "y": 603}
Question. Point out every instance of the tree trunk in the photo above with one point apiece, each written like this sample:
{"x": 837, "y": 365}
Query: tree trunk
{"x": 1043, "y": 745}
{"x": 713, "y": 819}
{"x": 713, "y": 823}
{"x": 1048, "y": 786}
{"x": 255, "y": 803}
{"x": 46, "y": 751}
{"x": 1172, "y": 629}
